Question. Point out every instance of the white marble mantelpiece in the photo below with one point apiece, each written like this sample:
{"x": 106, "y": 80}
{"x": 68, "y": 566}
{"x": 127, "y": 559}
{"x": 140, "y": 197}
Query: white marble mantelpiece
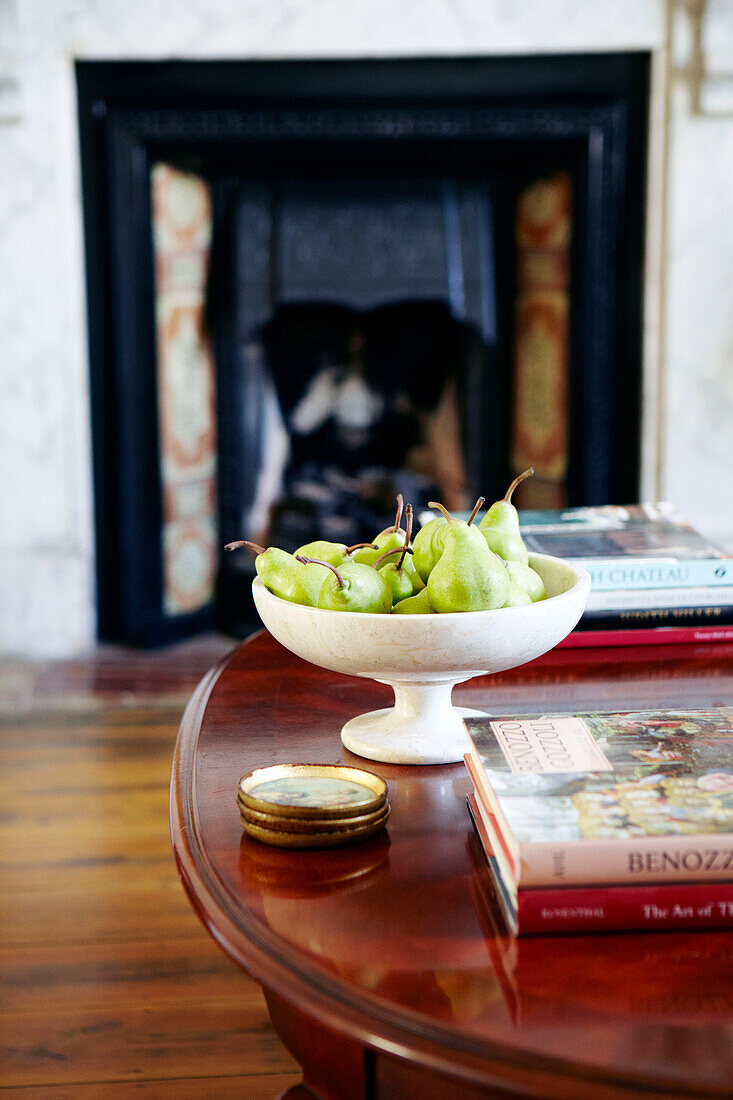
{"x": 46, "y": 533}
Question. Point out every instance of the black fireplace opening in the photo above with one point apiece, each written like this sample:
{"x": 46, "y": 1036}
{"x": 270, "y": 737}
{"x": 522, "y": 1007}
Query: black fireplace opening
{"x": 361, "y": 338}
{"x": 405, "y": 276}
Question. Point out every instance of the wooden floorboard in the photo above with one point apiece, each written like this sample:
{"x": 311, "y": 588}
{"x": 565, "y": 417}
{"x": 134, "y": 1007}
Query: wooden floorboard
{"x": 109, "y": 985}
{"x": 243, "y": 1087}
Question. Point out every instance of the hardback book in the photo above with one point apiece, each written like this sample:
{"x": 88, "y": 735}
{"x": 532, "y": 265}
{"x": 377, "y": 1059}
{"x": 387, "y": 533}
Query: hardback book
{"x": 701, "y": 597}
{"x": 651, "y": 635}
{"x": 642, "y": 618}
{"x": 650, "y": 570}
{"x": 636, "y": 547}
{"x": 549, "y": 909}
{"x": 607, "y": 798}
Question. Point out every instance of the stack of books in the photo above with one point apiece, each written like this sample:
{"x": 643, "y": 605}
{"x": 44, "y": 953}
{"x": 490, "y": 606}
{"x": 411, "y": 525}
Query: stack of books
{"x": 606, "y": 821}
{"x": 654, "y": 578}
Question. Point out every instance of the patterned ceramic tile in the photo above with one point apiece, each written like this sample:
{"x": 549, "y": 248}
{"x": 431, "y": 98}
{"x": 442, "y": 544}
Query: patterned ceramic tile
{"x": 186, "y": 396}
{"x": 540, "y": 409}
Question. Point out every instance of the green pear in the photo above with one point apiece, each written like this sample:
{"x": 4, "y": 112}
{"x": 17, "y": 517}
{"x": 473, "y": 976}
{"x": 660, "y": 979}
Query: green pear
{"x": 367, "y": 553}
{"x": 312, "y": 579}
{"x": 400, "y": 574}
{"x": 528, "y": 578}
{"x": 428, "y": 546}
{"x": 500, "y": 526}
{"x": 516, "y": 596}
{"x": 354, "y": 587}
{"x": 414, "y": 605}
{"x": 418, "y": 584}
{"x": 398, "y": 579}
{"x": 284, "y": 575}
{"x": 391, "y": 540}
{"x": 467, "y": 576}
{"x": 332, "y": 552}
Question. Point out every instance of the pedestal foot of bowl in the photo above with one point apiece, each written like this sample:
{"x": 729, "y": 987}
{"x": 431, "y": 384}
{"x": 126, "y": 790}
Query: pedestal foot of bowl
{"x": 423, "y": 727}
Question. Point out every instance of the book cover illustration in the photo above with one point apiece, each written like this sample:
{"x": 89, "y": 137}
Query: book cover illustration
{"x": 648, "y": 531}
{"x": 610, "y": 776}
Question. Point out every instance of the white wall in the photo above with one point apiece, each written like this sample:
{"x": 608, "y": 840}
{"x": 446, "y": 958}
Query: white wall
{"x": 46, "y": 541}
{"x": 697, "y": 450}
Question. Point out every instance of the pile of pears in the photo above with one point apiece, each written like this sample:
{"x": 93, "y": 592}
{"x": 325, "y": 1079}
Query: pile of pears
{"x": 453, "y": 565}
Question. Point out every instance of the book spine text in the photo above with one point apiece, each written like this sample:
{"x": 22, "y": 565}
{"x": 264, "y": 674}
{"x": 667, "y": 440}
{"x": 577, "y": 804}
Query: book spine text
{"x": 629, "y": 574}
{"x": 657, "y": 616}
{"x": 700, "y": 905}
{"x": 653, "y": 635}
{"x": 633, "y": 598}
{"x": 698, "y": 858}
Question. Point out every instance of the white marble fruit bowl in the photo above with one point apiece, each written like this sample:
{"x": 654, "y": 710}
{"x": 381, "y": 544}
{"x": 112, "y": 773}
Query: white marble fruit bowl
{"x": 423, "y": 656}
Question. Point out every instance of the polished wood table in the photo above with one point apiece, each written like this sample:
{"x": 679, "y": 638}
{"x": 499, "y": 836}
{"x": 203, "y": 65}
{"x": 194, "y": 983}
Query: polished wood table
{"x": 382, "y": 967}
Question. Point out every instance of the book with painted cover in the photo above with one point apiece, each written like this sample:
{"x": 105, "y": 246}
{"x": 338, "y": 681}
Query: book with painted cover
{"x": 606, "y": 798}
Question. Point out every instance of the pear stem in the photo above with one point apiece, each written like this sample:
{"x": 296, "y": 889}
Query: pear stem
{"x": 398, "y": 517}
{"x": 395, "y": 550}
{"x": 317, "y": 561}
{"x": 357, "y": 545}
{"x": 245, "y": 542}
{"x": 476, "y": 507}
{"x": 446, "y": 513}
{"x": 517, "y": 481}
{"x": 408, "y": 524}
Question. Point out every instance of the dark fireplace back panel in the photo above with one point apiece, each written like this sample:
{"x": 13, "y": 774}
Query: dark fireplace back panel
{"x": 395, "y": 256}
{"x": 453, "y": 139}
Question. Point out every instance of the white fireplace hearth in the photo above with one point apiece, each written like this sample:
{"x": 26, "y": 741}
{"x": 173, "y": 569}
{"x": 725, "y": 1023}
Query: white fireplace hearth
{"x": 47, "y": 568}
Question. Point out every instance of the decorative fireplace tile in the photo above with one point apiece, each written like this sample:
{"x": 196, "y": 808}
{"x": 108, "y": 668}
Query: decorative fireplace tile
{"x": 189, "y": 562}
{"x": 186, "y": 390}
{"x": 540, "y": 408}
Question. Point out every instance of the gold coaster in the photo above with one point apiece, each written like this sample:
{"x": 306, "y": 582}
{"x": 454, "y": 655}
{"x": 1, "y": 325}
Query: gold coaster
{"x": 311, "y": 824}
{"x": 281, "y": 839}
{"x": 312, "y": 791}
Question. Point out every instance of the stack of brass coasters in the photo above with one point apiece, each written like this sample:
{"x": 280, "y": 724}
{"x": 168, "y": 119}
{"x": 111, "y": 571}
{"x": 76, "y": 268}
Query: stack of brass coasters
{"x": 312, "y": 805}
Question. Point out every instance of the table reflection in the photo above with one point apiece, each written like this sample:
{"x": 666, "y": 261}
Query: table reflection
{"x": 686, "y": 975}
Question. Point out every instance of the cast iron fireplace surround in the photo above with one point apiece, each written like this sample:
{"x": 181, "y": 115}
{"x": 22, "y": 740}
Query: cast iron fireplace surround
{"x": 448, "y": 117}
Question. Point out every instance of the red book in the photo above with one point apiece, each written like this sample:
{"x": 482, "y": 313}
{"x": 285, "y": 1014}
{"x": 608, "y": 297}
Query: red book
{"x": 652, "y": 906}
{"x": 653, "y": 635}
